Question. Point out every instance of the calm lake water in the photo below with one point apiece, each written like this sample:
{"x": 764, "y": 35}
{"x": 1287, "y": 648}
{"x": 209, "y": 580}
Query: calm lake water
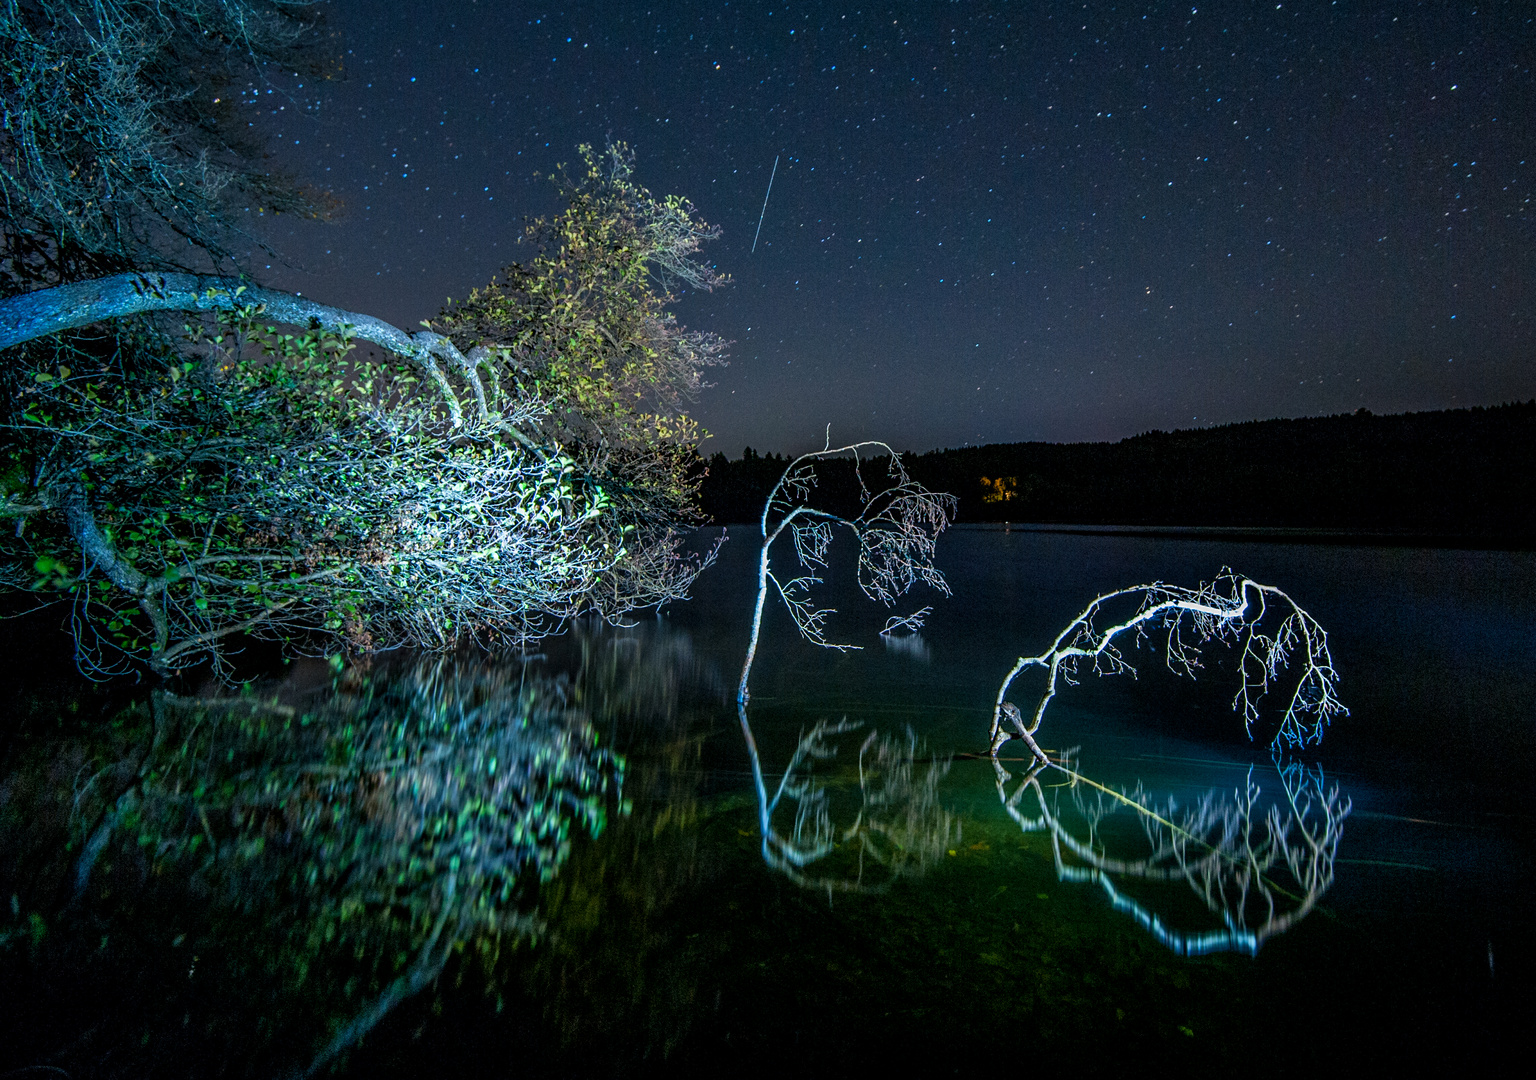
{"x": 488, "y": 866}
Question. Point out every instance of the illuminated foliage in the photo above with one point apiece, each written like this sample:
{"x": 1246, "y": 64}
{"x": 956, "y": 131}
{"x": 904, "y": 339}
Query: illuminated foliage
{"x": 583, "y": 323}
{"x": 999, "y": 489}
{"x": 273, "y": 484}
{"x": 239, "y": 479}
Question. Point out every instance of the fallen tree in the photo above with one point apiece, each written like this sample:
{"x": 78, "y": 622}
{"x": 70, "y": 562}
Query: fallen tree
{"x": 1268, "y": 626}
{"x": 236, "y": 478}
{"x": 1259, "y": 867}
{"x": 183, "y": 482}
{"x": 270, "y": 484}
{"x": 79, "y": 304}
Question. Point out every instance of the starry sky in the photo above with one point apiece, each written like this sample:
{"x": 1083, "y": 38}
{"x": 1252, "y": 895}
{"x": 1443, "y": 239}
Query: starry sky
{"x": 990, "y": 222}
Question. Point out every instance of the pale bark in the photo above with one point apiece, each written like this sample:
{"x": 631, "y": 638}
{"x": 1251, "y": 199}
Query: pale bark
{"x": 68, "y": 307}
{"x": 98, "y": 550}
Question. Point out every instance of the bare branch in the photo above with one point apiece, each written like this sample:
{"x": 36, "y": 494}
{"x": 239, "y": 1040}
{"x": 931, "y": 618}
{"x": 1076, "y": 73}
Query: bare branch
{"x": 1230, "y": 608}
{"x": 911, "y": 623}
{"x": 896, "y": 529}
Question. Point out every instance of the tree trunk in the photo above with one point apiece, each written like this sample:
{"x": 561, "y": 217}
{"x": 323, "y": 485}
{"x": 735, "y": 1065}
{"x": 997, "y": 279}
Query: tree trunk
{"x": 67, "y": 307}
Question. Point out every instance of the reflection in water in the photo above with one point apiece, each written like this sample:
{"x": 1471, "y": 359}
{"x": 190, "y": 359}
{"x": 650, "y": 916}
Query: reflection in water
{"x": 621, "y": 962}
{"x": 316, "y": 858}
{"x": 898, "y": 827}
{"x": 264, "y": 877}
{"x": 1259, "y": 867}
{"x": 909, "y": 645}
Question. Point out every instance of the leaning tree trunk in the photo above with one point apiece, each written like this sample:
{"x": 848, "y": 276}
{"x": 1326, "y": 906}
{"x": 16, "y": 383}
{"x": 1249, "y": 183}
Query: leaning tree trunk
{"x": 67, "y": 307}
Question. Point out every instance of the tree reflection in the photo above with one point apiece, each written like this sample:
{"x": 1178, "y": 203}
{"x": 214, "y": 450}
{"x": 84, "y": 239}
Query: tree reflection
{"x": 619, "y": 968}
{"x": 894, "y": 827}
{"x": 897, "y": 827}
{"x": 310, "y": 859}
{"x": 1259, "y": 866}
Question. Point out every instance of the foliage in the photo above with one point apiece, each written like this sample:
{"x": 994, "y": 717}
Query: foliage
{"x": 121, "y": 146}
{"x": 240, "y": 479}
{"x": 272, "y": 483}
{"x": 583, "y": 323}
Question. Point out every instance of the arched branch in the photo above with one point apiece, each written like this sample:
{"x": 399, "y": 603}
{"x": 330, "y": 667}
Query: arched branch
{"x": 69, "y": 307}
{"x": 1231, "y": 607}
{"x": 896, "y": 529}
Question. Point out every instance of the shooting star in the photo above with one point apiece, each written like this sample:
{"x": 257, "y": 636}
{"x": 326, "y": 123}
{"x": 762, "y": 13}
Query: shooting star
{"x": 765, "y": 202}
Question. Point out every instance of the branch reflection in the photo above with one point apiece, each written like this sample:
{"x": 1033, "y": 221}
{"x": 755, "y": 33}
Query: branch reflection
{"x": 1260, "y": 866}
{"x": 861, "y": 826}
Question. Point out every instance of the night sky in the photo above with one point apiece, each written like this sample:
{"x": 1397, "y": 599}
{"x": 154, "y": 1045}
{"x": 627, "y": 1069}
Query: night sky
{"x": 991, "y": 222}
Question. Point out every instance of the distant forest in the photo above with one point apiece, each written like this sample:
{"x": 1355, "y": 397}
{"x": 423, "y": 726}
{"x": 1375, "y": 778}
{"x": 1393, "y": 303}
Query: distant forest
{"x": 1463, "y": 474}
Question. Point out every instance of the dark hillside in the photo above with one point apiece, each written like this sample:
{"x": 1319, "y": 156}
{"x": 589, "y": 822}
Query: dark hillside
{"x": 1463, "y": 473}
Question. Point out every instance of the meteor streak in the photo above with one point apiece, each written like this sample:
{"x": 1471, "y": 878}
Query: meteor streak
{"x": 765, "y": 202}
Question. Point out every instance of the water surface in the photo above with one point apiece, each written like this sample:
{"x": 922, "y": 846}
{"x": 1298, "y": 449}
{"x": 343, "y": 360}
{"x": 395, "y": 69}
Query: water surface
{"x": 500, "y": 864}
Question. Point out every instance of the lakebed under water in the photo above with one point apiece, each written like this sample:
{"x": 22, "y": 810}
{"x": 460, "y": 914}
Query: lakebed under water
{"x": 491, "y": 865}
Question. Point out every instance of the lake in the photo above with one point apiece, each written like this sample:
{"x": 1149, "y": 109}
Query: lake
{"x": 487, "y": 866}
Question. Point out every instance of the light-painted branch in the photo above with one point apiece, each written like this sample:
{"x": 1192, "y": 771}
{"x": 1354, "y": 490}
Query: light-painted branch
{"x": 896, "y": 530}
{"x": 900, "y": 824}
{"x": 1233, "y": 608}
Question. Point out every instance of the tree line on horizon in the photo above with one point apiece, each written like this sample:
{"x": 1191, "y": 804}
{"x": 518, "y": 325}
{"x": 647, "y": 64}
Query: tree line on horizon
{"x": 1457, "y": 473}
